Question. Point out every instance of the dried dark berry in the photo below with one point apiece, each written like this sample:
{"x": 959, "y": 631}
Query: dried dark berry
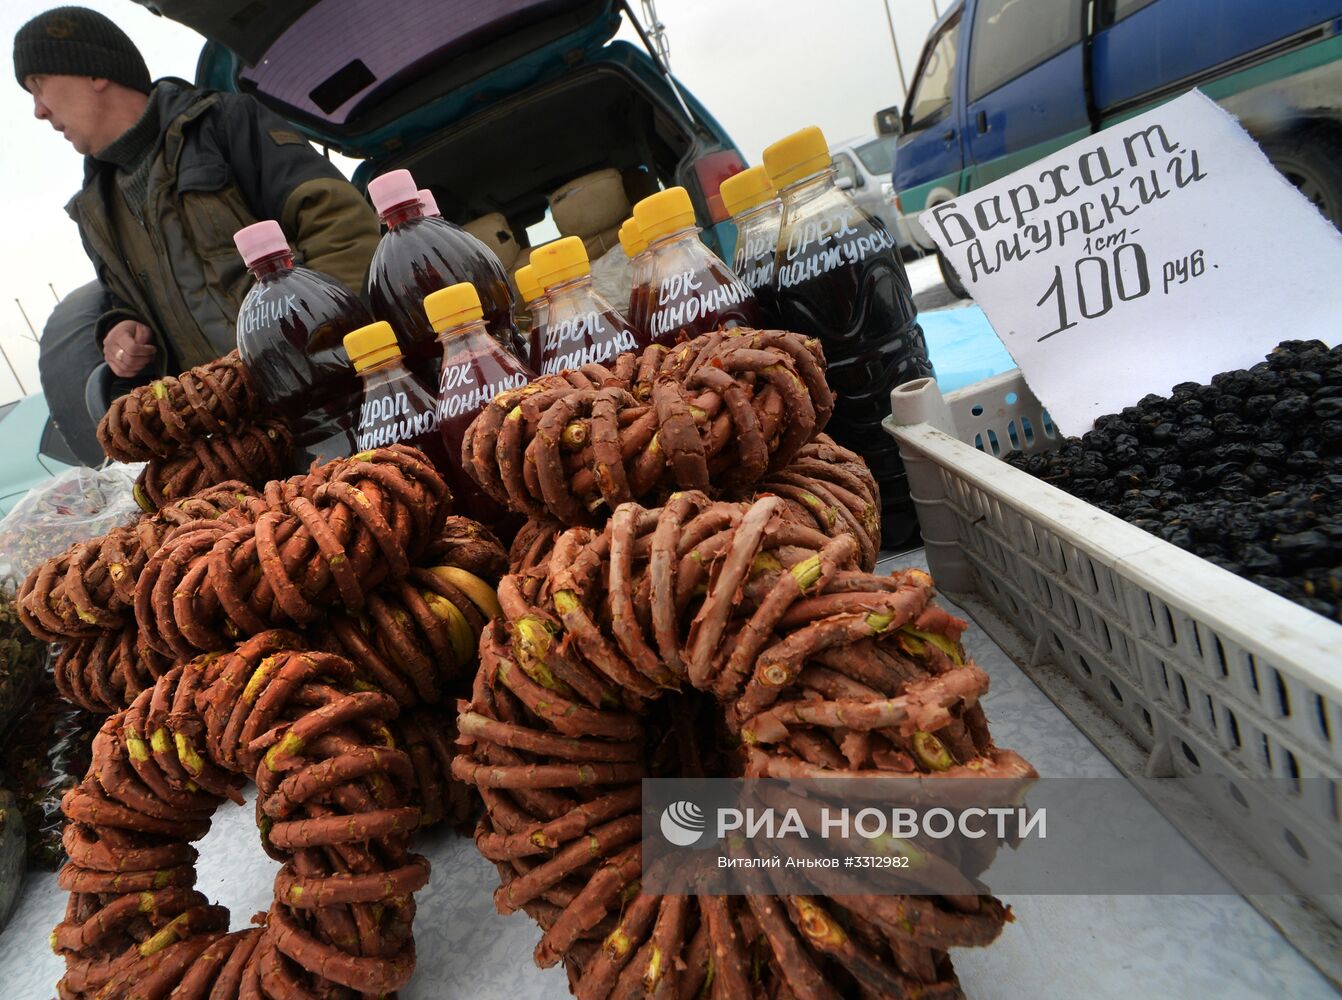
{"x": 1274, "y": 584}
{"x": 1226, "y": 564}
{"x": 1257, "y": 407}
{"x": 1176, "y": 534}
{"x": 1091, "y": 468}
{"x": 1327, "y": 408}
{"x": 1269, "y": 452}
{"x": 1257, "y": 559}
{"x": 1189, "y": 407}
{"x": 1319, "y": 607}
{"x": 1097, "y": 440}
{"x": 1236, "y": 481}
{"x": 1302, "y": 546}
{"x": 1246, "y": 471}
{"x": 1196, "y": 438}
{"x": 1302, "y": 461}
{"x": 1290, "y": 409}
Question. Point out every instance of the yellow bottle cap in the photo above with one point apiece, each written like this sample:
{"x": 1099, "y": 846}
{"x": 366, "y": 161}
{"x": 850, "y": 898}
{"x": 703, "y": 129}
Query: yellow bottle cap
{"x": 664, "y": 212}
{"x": 562, "y": 260}
{"x": 746, "y": 190}
{"x": 527, "y": 284}
{"x": 452, "y": 306}
{"x": 795, "y": 156}
{"x": 371, "y": 345}
{"x": 631, "y": 238}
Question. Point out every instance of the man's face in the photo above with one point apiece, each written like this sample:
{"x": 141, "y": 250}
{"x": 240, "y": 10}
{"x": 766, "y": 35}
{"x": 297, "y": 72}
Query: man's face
{"x": 73, "y": 107}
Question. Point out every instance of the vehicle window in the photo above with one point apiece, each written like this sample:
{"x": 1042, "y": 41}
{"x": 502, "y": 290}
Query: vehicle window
{"x": 1011, "y": 36}
{"x": 1116, "y": 10}
{"x": 542, "y": 232}
{"x": 879, "y": 156}
{"x": 845, "y": 169}
{"x": 53, "y": 445}
{"x": 932, "y": 89}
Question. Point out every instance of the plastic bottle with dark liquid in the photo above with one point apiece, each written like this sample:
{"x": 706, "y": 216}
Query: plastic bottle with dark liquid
{"x": 291, "y": 329}
{"x": 581, "y": 327}
{"x": 475, "y": 370}
{"x": 520, "y": 343}
{"x": 690, "y": 290}
{"x": 537, "y": 307}
{"x": 420, "y": 254}
{"x": 636, "y": 249}
{"x": 397, "y": 408}
{"x": 757, "y": 213}
{"x": 839, "y": 279}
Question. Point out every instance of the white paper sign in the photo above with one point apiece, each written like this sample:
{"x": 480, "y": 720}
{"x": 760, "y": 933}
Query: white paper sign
{"x": 1161, "y": 250}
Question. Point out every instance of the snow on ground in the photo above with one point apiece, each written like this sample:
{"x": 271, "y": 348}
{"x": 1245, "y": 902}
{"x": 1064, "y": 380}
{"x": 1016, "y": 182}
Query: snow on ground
{"x": 929, "y": 291}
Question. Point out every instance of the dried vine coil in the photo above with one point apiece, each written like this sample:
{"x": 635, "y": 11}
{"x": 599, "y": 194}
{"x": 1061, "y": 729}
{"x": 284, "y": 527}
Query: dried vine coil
{"x": 826, "y": 487}
{"x": 106, "y": 672}
{"x": 331, "y": 805}
{"x": 169, "y": 414}
{"x": 416, "y": 637}
{"x": 89, "y": 589}
{"x": 831, "y": 487}
{"x": 724, "y": 408}
{"x": 468, "y": 545}
{"x": 312, "y": 543}
{"x": 253, "y": 453}
{"x": 644, "y": 642}
{"x": 428, "y": 734}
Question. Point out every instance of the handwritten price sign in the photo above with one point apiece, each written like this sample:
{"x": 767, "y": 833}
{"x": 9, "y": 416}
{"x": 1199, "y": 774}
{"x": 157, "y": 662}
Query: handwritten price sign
{"x": 1161, "y": 250}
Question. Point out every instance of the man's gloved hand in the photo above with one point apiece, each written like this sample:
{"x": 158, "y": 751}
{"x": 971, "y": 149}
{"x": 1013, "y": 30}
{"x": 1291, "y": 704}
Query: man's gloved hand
{"x": 129, "y": 348}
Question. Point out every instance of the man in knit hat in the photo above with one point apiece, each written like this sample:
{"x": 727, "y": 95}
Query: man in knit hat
{"x": 171, "y": 172}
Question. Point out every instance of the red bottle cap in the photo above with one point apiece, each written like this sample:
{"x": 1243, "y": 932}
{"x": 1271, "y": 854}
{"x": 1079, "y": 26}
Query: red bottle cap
{"x": 429, "y": 202}
{"x": 262, "y": 239}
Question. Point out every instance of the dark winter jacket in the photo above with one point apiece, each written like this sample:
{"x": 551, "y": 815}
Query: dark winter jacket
{"x": 221, "y": 162}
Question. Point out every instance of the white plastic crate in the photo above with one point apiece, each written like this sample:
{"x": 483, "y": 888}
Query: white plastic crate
{"x": 1202, "y": 671}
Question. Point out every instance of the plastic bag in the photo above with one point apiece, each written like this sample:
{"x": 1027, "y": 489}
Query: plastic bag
{"x": 613, "y": 277}
{"x": 12, "y": 864}
{"x": 77, "y": 505}
{"x": 21, "y": 664}
{"x": 48, "y": 751}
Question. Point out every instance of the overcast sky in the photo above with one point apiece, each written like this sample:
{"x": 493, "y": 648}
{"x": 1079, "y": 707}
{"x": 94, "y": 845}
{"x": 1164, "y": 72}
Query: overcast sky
{"x": 762, "y": 67}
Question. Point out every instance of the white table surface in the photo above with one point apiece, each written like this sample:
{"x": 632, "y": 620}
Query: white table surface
{"x": 1065, "y": 947}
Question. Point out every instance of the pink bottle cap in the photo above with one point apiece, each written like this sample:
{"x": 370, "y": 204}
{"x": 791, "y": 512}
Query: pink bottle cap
{"x": 429, "y": 202}
{"x": 391, "y": 190}
{"x": 261, "y": 239}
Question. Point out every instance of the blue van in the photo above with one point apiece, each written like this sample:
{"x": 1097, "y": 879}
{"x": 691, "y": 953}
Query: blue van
{"x": 490, "y": 105}
{"x": 1001, "y": 83}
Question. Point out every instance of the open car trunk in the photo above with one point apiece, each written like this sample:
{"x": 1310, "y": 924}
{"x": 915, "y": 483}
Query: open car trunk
{"x": 345, "y": 69}
{"x": 508, "y": 158}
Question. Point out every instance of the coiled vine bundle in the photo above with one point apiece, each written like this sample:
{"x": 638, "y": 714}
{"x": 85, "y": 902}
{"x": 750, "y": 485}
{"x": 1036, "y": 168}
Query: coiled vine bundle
{"x": 633, "y": 652}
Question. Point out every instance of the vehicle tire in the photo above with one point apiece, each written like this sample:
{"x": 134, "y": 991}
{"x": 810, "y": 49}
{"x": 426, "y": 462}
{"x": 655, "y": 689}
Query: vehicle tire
{"x": 948, "y": 275}
{"x": 1312, "y": 161}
